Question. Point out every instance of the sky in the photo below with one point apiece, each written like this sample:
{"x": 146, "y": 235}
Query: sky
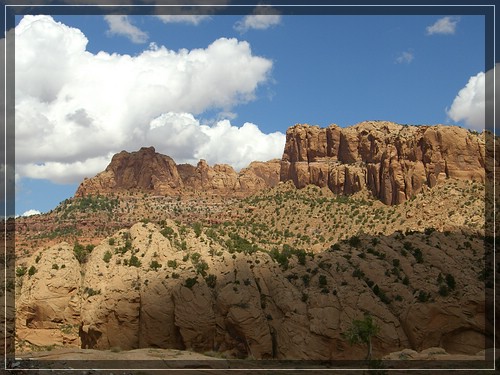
{"x": 225, "y": 88}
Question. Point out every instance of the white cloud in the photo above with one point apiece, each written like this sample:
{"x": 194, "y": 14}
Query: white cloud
{"x": 31, "y": 213}
{"x": 445, "y": 25}
{"x": 469, "y": 104}
{"x": 219, "y": 143}
{"x": 74, "y": 109}
{"x": 405, "y": 57}
{"x": 239, "y": 146}
{"x": 121, "y": 25}
{"x": 193, "y": 19}
{"x": 64, "y": 172}
{"x": 261, "y": 19}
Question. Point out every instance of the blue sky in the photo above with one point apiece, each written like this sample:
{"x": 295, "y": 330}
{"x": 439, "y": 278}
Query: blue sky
{"x": 90, "y": 86}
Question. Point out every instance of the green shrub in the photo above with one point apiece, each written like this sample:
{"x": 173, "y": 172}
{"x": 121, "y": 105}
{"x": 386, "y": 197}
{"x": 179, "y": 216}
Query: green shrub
{"x": 306, "y": 279}
{"x": 428, "y": 231}
{"x": 197, "y": 228}
{"x": 358, "y": 273}
{"x": 423, "y": 296}
{"x": 417, "y": 253}
{"x": 81, "y": 253}
{"x": 201, "y": 267}
{"x": 335, "y": 246}
{"x": 354, "y": 241}
{"x": 20, "y": 271}
{"x": 211, "y": 280}
{"x": 190, "y": 282}
{"x": 195, "y": 257}
{"x": 107, "y": 256}
{"x": 450, "y": 281}
{"x": 322, "y": 280}
{"x": 443, "y": 290}
{"x": 32, "y": 271}
{"x": 91, "y": 292}
{"x": 167, "y": 232}
{"x": 134, "y": 261}
{"x": 154, "y": 265}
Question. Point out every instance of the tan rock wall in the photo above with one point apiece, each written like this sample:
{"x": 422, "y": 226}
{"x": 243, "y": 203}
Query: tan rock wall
{"x": 392, "y": 161}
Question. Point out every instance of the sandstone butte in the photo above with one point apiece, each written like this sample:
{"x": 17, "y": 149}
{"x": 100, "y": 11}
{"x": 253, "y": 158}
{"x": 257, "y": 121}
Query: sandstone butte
{"x": 394, "y": 162}
{"x": 148, "y": 171}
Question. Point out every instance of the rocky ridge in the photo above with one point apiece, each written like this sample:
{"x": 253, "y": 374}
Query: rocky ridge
{"x": 394, "y": 162}
{"x": 151, "y": 172}
{"x": 391, "y": 161}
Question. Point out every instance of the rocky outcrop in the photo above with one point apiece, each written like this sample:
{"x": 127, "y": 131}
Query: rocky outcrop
{"x": 48, "y": 309}
{"x": 172, "y": 287}
{"x": 392, "y": 161}
{"x": 148, "y": 171}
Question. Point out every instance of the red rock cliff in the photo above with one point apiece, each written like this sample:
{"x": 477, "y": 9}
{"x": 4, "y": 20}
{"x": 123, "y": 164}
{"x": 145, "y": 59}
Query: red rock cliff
{"x": 393, "y": 161}
{"x": 148, "y": 171}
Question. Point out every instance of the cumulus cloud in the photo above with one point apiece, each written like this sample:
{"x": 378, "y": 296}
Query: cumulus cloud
{"x": 74, "y": 108}
{"x": 121, "y": 25}
{"x": 221, "y": 142}
{"x": 405, "y": 57}
{"x": 445, "y": 25}
{"x": 469, "y": 104}
{"x": 261, "y": 19}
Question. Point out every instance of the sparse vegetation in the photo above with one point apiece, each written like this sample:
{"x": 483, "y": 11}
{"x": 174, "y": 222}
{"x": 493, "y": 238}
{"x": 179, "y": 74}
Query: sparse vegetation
{"x": 362, "y": 331}
{"x": 107, "y": 256}
{"x": 324, "y": 246}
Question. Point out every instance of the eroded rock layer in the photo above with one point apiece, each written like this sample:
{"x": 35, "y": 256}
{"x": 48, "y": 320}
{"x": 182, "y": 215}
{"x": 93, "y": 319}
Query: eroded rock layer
{"x": 393, "y": 161}
{"x": 172, "y": 287}
{"x": 148, "y": 171}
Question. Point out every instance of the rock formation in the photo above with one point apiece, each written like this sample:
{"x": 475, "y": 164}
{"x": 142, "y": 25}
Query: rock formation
{"x": 50, "y": 304}
{"x": 392, "y": 161}
{"x": 144, "y": 288}
{"x": 148, "y": 171}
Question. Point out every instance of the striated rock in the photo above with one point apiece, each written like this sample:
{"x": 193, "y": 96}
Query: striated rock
{"x": 49, "y": 306}
{"x": 181, "y": 289}
{"x": 394, "y": 162}
{"x": 148, "y": 171}
{"x": 456, "y": 327}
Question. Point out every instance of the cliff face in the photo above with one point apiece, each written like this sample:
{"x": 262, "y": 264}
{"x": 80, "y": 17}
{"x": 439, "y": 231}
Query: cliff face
{"x": 148, "y": 171}
{"x": 393, "y": 161}
{"x": 202, "y": 297}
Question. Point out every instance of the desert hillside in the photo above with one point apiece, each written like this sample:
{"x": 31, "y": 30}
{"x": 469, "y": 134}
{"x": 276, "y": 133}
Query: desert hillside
{"x": 275, "y": 261}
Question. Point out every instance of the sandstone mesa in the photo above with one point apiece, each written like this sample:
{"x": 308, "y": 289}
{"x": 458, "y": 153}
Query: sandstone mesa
{"x": 393, "y": 162}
